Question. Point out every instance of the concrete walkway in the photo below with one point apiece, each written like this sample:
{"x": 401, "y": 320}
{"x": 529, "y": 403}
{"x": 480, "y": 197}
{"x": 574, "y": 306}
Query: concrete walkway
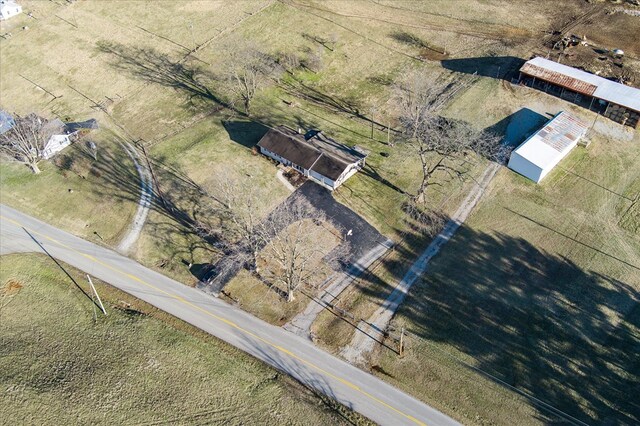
{"x": 285, "y": 182}
{"x": 146, "y": 195}
{"x": 362, "y": 342}
{"x": 301, "y": 323}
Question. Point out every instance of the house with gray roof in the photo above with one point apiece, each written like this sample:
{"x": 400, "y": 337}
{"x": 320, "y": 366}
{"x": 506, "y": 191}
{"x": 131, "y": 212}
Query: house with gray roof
{"x": 6, "y": 121}
{"x": 315, "y": 155}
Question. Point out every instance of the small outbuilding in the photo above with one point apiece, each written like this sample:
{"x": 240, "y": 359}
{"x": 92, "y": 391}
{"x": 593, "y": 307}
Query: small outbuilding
{"x": 543, "y": 150}
{"x": 9, "y": 9}
{"x": 313, "y": 154}
{"x": 58, "y": 140}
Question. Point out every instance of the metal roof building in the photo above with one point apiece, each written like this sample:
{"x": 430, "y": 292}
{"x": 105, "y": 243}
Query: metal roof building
{"x": 543, "y": 150}
{"x": 617, "y": 101}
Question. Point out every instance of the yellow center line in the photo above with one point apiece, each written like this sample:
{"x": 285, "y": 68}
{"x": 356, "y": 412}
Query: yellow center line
{"x": 225, "y": 321}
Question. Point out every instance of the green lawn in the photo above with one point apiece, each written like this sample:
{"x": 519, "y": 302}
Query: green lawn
{"x": 137, "y": 365}
{"x": 77, "y": 193}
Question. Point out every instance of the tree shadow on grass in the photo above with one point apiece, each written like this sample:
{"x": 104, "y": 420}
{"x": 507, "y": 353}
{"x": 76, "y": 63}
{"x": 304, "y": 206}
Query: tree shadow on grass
{"x": 177, "y": 202}
{"x": 149, "y": 65}
{"x": 536, "y": 320}
{"x": 307, "y": 376}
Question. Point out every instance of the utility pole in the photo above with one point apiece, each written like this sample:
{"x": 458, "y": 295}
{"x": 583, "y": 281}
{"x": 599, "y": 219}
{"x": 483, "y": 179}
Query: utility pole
{"x": 104, "y": 311}
{"x": 401, "y": 351}
{"x": 373, "y": 117}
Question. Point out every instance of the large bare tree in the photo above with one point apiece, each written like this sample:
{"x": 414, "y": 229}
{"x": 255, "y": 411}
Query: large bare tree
{"x": 278, "y": 245}
{"x": 293, "y": 256}
{"x": 247, "y": 70}
{"x": 444, "y": 146}
{"x": 26, "y": 140}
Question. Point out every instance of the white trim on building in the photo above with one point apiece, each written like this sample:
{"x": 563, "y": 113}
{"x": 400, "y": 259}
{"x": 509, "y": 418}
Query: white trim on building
{"x": 9, "y": 9}
{"x": 543, "y": 150}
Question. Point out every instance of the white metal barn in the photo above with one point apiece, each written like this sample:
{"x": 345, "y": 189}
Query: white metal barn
{"x": 9, "y": 8}
{"x": 543, "y": 150}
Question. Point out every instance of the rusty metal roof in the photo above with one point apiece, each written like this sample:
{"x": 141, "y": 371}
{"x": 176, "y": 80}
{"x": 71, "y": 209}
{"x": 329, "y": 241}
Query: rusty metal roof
{"x": 583, "y": 82}
{"x": 559, "y": 79}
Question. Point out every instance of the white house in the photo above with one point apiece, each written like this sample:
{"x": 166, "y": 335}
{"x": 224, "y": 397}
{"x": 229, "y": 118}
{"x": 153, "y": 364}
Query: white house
{"x": 9, "y": 8}
{"x": 314, "y": 155}
{"x": 55, "y": 144}
{"x": 543, "y": 150}
{"x": 58, "y": 140}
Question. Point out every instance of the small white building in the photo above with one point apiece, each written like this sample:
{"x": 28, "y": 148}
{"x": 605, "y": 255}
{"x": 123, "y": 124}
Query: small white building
{"x": 9, "y": 8}
{"x": 58, "y": 140}
{"x": 543, "y": 150}
{"x": 55, "y": 144}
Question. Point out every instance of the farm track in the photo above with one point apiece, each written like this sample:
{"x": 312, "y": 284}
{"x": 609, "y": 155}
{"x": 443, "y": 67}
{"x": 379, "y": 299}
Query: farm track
{"x": 500, "y": 32}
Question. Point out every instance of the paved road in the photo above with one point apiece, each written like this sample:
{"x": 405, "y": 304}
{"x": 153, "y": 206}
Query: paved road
{"x": 285, "y": 351}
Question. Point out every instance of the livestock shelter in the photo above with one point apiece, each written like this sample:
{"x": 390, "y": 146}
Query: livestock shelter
{"x": 313, "y": 154}
{"x": 543, "y": 150}
{"x": 614, "y": 100}
{"x": 9, "y": 8}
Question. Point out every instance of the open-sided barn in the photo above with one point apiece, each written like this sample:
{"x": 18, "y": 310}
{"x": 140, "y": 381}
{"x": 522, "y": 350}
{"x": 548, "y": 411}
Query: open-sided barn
{"x": 614, "y": 100}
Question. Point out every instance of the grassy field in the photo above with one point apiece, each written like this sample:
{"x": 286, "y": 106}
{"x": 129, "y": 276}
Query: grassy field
{"x": 540, "y": 288}
{"x": 77, "y": 193}
{"x": 137, "y": 365}
{"x": 128, "y": 66}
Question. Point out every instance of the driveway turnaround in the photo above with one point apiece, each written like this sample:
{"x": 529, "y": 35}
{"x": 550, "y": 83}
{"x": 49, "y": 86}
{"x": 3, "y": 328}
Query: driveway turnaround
{"x": 285, "y": 351}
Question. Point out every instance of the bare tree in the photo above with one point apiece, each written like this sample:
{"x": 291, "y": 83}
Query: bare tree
{"x": 289, "y": 61}
{"x": 249, "y": 70}
{"x": 292, "y": 255}
{"x": 26, "y": 140}
{"x": 417, "y": 98}
{"x": 442, "y": 145}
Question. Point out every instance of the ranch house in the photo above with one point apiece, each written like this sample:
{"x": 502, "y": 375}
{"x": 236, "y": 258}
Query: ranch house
{"x": 316, "y": 156}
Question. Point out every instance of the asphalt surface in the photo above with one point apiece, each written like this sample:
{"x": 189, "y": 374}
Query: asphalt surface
{"x": 283, "y": 350}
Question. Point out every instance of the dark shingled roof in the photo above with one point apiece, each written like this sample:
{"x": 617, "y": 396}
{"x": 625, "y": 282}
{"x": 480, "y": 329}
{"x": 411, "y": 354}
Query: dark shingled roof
{"x": 288, "y": 144}
{"x": 329, "y": 166}
{"x": 315, "y": 152}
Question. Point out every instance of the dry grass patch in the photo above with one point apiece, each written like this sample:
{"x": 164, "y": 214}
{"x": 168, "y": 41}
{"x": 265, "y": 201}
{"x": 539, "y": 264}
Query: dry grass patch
{"x": 137, "y": 364}
{"x": 541, "y": 289}
{"x": 265, "y": 296}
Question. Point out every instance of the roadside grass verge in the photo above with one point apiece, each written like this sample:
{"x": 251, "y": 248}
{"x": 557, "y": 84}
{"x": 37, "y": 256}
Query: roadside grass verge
{"x": 137, "y": 364}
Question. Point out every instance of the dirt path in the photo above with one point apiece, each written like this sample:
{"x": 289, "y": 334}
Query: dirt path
{"x": 362, "y": 342}
{"x": 146, "y": 195}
